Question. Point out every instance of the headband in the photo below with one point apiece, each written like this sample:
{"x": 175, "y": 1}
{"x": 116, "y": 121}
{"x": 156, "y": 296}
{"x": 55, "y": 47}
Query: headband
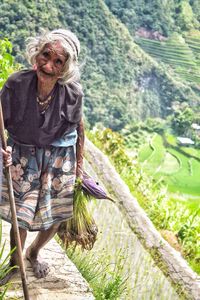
{"x": 70, "y": 41}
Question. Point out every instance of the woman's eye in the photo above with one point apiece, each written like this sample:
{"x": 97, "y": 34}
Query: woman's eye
{"x": 59, "y": 62}
{"x": 45, "y": 54}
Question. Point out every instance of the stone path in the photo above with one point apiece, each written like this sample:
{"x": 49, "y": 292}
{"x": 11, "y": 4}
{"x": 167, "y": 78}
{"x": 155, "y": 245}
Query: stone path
{"x": 64, "y": 282}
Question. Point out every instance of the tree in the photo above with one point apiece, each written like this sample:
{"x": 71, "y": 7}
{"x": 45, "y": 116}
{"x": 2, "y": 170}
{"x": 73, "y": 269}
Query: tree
{"x": 185, "y": 16}
{"x": 6, "y": 60}
{"x": 182, "y": 121}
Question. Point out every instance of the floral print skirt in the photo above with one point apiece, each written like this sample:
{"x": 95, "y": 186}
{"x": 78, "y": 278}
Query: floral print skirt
{"x": 43, "y": 183}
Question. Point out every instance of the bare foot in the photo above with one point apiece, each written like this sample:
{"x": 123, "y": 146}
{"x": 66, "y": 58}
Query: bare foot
{"x": 40, "y": 269}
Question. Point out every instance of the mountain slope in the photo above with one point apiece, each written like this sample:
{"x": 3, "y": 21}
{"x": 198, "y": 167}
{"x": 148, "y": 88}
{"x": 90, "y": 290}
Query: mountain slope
{"x": 121, "y": 82}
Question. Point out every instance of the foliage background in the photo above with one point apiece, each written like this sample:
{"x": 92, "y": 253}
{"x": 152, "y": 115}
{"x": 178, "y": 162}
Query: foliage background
{"x": 122, "y": 83}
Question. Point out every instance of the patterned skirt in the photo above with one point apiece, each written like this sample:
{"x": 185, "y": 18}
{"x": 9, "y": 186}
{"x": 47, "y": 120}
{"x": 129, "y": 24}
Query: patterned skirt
{"x": 43, "y": 183}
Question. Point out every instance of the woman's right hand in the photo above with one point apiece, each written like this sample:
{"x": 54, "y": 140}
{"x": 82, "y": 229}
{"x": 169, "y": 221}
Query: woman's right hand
{"x": 7, "y": 156}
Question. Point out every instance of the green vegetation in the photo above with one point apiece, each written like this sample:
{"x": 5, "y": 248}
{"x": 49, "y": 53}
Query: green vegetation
{"x": 170, "y": 164}
{"x": 6, "y": 60}
{"x": 156, "y": 158}
{"x": 121, "y": 82}
{"x": 178, "y": 167}
{"x": 81, "y": 229}
{"x": 6, "y": 68}
{"x": 177, "y": 54}
{"x": 4, "y": 265}
{"x": 157, "y": 15}
{"x": 182, "y": 121}
{"x": 145, "y": 153}
{"x": 166, "y": 212}
{"x": 106, "y": 280}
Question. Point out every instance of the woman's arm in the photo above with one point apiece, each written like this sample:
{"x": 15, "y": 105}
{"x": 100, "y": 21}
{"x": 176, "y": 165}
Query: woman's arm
{"x": 80, "y": 149}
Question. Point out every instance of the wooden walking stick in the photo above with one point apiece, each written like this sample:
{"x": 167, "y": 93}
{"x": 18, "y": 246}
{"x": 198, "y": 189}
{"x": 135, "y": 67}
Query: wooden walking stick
{"x": 13, "y": 212}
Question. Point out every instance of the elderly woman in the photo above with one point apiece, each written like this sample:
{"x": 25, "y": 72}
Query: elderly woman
{"x": 42, "y": 110}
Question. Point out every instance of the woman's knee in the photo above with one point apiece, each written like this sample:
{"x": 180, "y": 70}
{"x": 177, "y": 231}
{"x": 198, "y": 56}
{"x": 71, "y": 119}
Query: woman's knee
{"x": 56, "y": 226}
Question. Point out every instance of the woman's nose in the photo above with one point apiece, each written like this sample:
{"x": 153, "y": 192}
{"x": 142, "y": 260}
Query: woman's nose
{"x": 49, "y": 66}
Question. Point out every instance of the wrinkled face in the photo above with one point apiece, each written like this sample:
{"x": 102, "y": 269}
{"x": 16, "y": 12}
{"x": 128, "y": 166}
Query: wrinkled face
{"x": 50, "y": 62}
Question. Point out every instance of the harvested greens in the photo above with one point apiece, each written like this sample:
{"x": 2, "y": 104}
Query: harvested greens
{"x": 81, "y": 228}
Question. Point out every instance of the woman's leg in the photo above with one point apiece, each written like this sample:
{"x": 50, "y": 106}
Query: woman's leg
{"x": 40, "y": 268}
{"x": 23, "y": 235}
{"x": 14, "y": 257}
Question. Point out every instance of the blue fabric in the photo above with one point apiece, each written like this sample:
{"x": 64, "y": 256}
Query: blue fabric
{"x": 43, "y": 183}
{"x": 68, "y": 139}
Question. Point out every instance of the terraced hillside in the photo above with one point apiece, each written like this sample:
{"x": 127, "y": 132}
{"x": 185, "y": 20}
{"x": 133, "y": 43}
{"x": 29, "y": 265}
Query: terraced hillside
{"x": 181, "y": 54}
{"x": 178, "y": 166}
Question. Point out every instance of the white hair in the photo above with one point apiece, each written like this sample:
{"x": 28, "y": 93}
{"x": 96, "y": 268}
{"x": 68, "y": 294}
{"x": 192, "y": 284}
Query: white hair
{"x": 71, "y": 47}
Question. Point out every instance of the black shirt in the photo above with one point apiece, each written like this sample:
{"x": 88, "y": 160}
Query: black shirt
{"x": 22, "y": 117}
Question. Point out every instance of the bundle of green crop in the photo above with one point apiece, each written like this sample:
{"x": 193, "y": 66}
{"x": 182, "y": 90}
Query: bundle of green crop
{"x": 81, "y": 229}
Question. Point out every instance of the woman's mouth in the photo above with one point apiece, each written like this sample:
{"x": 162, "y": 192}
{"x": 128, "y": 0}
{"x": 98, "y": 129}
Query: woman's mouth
{"x": 46, "y": 73}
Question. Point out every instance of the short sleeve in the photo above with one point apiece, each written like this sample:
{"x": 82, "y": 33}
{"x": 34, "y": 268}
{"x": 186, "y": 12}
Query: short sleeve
{"x": 74, "y": 103}
{"x": 6, "y": 96}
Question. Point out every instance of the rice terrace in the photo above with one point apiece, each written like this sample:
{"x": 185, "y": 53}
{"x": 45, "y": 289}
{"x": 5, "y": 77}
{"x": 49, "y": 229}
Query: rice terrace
{"x": 179, "y": 167}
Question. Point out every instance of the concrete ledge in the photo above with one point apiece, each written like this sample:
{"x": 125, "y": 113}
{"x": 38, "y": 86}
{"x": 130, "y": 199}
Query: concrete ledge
{"x": 185, "y": 280}
{"x": 63, "y": 282}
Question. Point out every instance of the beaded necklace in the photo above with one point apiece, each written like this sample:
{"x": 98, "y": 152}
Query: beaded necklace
{"x": 44, "y": 105}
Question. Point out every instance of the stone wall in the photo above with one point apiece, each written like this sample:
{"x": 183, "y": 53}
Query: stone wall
{"x": 167, "y": 258}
